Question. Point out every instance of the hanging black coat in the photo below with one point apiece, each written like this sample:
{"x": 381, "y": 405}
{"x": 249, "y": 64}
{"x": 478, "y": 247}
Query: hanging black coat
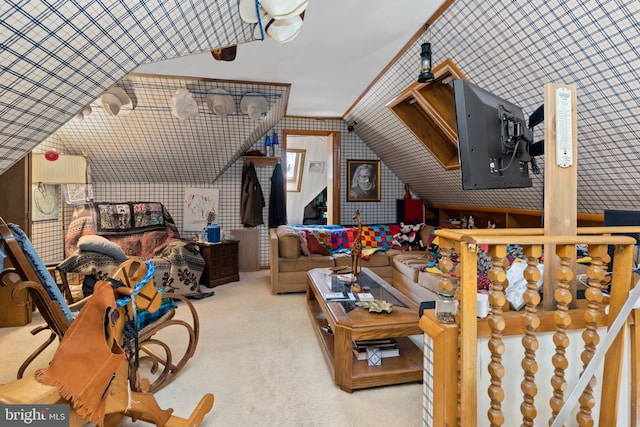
{"x": 251, "y": 200}
{"x": 277, "y": 202}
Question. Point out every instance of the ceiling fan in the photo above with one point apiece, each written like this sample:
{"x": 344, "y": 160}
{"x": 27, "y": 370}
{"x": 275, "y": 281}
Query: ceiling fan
{"x": 285, "y": 30}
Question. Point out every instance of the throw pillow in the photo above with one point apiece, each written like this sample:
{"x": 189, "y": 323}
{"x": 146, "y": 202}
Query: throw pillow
{"x": 315, "y": 247}
{"x": 95, "y": 243}
{"x": 288, "y": 242}
{"x": 304, "y": 247}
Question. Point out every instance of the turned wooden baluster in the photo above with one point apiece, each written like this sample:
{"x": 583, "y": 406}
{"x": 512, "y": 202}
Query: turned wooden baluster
{"x": 564, "y": 275}
{"x": 497, "y": 300}
{"x": 592, "y": 316}
{"x": 445, "y": 264}
{"x": 531, "y": 322}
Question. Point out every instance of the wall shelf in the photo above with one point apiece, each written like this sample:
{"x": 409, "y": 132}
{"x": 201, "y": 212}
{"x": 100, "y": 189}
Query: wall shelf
{"x": 501, "y": 217}
{"x": 261, "y": 161}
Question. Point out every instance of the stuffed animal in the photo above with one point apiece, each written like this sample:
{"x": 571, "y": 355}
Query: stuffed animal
{"x": 409, "y": 238}
{"x": 415, "y": 238}
{"x": 402, "y": 239}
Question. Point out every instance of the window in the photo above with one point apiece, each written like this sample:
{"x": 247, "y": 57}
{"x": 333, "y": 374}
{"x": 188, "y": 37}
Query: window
{"x": 295, "y": 164}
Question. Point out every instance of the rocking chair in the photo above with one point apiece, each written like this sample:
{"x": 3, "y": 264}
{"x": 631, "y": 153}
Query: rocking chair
{"x": 97, "y": 388}
{"x": 155, "y": 354}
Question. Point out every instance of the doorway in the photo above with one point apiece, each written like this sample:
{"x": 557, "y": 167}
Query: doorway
{"x": 331, "y": 160}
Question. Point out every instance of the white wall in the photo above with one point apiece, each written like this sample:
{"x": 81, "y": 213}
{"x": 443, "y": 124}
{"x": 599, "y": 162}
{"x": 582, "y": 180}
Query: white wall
{"x": 312, "y": 183}
{"x": 511, "y": 359}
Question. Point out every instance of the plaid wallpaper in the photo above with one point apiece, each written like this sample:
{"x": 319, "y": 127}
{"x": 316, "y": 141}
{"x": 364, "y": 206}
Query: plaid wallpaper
{"x": 512, "y": 49}
{"x": 57, "y": 58}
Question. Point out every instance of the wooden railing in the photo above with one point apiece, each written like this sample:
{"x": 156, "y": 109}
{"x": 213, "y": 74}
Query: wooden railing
{"x": 533, "y": 326}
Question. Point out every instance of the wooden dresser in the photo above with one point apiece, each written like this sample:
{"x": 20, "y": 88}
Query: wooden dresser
{"x": 221, "y": 263}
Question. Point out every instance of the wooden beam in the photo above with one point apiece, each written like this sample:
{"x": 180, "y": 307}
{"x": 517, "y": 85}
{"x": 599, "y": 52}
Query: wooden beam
{"x": 560, "y": 185}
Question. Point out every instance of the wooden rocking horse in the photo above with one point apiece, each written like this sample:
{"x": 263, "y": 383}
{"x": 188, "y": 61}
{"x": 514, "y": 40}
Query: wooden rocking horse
{"x": 160, "y": 362}
{"x": 91, "y": 371}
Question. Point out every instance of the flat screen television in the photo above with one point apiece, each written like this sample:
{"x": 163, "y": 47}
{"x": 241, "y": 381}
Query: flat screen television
{"x": 492, "y": 139}
{"x": 621, "y": 217}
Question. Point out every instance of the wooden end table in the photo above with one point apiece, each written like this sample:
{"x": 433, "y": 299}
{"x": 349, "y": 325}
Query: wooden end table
{"x": 349, "y": 322}
{"x": 221, "y": 263}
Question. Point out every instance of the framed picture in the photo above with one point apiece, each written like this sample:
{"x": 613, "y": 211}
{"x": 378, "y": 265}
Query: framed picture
{"x": 295, "y": 164}
{"x": 364, "y": 180}
{"x": 200, "y": 207}
{"x": 78, "y": 194}
{"x": 46, "y": 201}
{"x": 316, "y": 167}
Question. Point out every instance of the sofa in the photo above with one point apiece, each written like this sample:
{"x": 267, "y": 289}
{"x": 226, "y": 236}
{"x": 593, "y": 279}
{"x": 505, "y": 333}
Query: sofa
{"x": 395, "y": 252}
{"x": 101, "y": 235}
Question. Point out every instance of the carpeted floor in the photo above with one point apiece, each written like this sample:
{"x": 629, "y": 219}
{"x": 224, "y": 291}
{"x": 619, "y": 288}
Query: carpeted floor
{"x": 261, "y": 359}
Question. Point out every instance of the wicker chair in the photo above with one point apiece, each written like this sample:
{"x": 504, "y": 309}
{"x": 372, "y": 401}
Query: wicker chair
{"x": 157, "y": 365}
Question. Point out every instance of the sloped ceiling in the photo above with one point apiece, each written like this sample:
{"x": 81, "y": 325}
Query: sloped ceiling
{"x": 55, "y": 59}
{"x": 512, "y": 49}
{"x": 151, "y": 144}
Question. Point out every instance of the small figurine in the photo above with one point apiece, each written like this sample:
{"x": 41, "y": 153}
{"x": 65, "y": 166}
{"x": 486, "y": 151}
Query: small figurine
{"x": 407, "y": 192}
{"x": 471, "y": 222}
{"x": 356, "y": 247}
{"x": 464, "y": 222}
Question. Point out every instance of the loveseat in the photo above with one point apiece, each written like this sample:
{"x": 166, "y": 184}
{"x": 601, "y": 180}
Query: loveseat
{"x": 103, "y": 234}
{"x": 385, "y": 252}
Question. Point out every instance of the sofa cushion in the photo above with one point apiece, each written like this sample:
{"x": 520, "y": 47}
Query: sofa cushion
{"x": 304, "y": 263}
{"x": 409, "y": 264}
{"x": 378, "y": 259}
{"x": 429, "y": 281}
{"x": 288, "y": 242}
{"x": 289, "y": 246}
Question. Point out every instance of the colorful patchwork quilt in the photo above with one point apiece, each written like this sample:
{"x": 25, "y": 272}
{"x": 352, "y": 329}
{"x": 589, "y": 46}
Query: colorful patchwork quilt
{"x": 339, "y": 238}
{"x": 336, "y": 238}
{"x": 379, "y": 236}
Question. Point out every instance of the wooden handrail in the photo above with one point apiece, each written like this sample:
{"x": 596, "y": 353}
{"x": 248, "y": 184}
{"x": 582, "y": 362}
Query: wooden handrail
{"x": 531, "y": 320}
{"x": 515, "y": 236}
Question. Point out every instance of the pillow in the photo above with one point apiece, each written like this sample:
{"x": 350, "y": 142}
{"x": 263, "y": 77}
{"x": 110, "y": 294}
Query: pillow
{"x": 288, "y": 242}
{"x": 95, "y": 243}
{"x": 285, "y": 230}
{"x": 315, "y": 247}
{"x": 304, "y": 247}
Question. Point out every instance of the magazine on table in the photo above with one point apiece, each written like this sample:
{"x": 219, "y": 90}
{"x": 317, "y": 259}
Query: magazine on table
{"x": 339, "y": 296}
{"x": 388, "y": 348}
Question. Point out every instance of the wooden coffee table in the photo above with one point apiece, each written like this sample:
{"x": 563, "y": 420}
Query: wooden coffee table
{"x": 349, "y": 322}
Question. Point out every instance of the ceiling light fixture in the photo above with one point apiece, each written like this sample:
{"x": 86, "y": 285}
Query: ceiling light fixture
{"x": 425, "y": 61}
